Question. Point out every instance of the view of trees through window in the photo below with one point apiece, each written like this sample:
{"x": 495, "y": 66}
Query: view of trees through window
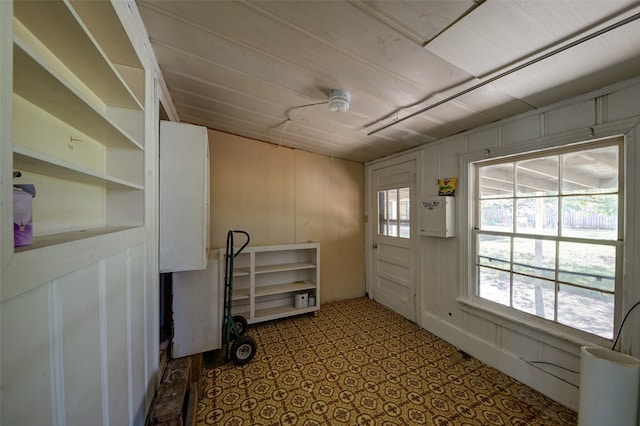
{"x": 548, "y": 240}
{"x": 394, "y": 215}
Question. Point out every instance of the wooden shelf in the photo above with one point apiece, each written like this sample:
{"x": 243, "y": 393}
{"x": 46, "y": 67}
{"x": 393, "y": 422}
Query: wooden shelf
{"x": 26, "y": 159}
{"x": 59, "y": 27}
{"x": 240, "y": 294}
{"x": 279, "y": 312}
{"x": 46, "y": 89}
{"x": 240, "y": 272}
{"x": 284, "y": 288}
{"x": 66, "y": 237}
{"x": 265, "y": 269}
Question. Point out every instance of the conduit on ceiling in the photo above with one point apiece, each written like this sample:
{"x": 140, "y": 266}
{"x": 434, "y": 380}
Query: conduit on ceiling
{"x": 514, "y": 69}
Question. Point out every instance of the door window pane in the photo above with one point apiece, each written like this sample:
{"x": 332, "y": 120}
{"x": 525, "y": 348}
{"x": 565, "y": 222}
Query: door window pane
{"x": 404, "y": 213}
{"x": 382, "y": 213}
{"x": 394, "y": 213}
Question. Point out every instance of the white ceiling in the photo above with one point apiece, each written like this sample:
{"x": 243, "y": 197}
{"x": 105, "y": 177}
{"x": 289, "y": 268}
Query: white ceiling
{"x": 264, "y": 69}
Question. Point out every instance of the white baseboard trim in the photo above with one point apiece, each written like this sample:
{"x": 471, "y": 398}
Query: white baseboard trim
{"x": 508, "y": 363}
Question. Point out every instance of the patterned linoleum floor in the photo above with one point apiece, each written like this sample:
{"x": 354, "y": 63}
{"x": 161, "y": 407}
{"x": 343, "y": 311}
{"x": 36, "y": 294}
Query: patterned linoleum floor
{"x": 358, "y": 363}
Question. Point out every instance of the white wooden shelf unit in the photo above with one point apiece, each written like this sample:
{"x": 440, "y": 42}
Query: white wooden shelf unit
{"x": 267, "y": 278}
{"x": 78, "y": 120}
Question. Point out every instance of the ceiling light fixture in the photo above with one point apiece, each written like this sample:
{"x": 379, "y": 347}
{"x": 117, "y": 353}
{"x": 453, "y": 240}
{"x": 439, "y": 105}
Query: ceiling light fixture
{"x": 339, "y": 100}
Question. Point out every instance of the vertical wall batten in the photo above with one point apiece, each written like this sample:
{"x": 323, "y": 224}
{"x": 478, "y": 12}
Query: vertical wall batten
{"x": 127, "y": 268}
{"x": 104, "y": 344}
{"x": 56, "y": 355}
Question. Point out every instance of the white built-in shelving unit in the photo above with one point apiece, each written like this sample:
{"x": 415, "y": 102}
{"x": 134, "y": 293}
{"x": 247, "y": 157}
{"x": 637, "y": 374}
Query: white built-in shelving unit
{"x": 78, "y": 120}
{"x": 266, "y": 280}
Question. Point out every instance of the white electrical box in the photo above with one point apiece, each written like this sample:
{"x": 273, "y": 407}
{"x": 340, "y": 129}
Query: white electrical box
{"x": 436, "y": 217}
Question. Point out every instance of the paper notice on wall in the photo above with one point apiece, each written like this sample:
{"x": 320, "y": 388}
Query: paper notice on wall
{"x": 447, "y": 186}
{"x": 431, "y": 204}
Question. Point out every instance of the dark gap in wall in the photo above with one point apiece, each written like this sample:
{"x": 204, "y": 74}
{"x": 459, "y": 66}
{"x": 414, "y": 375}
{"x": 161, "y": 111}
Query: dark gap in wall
{"x": 166, "y": 313}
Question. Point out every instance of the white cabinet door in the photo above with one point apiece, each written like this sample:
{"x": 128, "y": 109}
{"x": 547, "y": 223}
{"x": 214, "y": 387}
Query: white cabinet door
{"x": 184, "y": 197}
{"x": 197, "y": 311}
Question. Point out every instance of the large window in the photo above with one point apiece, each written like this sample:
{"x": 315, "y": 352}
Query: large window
{"x": 394, "y": 219}
{"x": 547, "y": 234}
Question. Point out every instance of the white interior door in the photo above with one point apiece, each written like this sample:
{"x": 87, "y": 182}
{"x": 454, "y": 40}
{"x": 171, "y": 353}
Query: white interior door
{"x": 393, "y": 233}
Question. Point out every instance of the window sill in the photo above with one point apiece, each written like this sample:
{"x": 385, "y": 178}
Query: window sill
{"x": 533, "y": 328}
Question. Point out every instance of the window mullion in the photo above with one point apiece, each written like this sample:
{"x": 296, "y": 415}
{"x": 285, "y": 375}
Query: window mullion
{"x": 398, "y": 212}
{"x": 511, "y": 271}
{"x": 556, "y": 287}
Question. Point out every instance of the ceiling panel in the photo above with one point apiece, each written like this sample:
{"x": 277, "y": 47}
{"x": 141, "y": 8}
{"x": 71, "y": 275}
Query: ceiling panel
{"x": 478, "y": 46}
{"x": 252, "y": 68}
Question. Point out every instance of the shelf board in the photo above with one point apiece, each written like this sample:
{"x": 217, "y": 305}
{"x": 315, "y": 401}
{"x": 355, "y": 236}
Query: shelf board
{"x": 284, "y": 288}
{"x": 265, "y": 269}
{"x": 59, "y": 27}
{"x": 25, "y": 159}
{"x": 279, "y": 312}
{"x": 45, "y": 88}
{"x": 243, "y": 312}
{"x": 66, "y": 237}
{"x": 240, "y": 294}
{"x": 240, "y": 272}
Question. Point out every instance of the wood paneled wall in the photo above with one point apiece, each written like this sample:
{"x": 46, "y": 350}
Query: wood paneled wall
{"x": 282, "y": 196}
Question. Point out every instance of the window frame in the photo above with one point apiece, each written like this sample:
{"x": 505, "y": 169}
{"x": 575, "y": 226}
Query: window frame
{"x": 468, "y": 296}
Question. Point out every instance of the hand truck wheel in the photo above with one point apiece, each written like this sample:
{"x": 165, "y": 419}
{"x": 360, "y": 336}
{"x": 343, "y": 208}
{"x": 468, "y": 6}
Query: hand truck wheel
{"x": 239, "y": 326}
{"x": 243, "y": 350}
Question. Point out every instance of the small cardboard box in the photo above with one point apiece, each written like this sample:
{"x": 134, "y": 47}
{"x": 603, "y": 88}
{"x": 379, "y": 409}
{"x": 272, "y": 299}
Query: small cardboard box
{"x": 22, "y": 219}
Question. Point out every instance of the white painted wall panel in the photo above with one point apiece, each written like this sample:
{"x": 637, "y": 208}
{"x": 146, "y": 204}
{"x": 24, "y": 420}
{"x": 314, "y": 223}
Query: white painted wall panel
{"x": 572, "y": 117}
{"x": 81, "y": 346}
{"x": 430, "y": 254}
{"x": 136, "y": 333}
{"x": 449, "y": 279}
{"x": 449, "y": 156}
{"x": 523, "y": 129}
{"x": 431, "y": 171}
{"x": 482, "y": 139}
{"x": 26, "y": 360}
{"x": 482, "y": 329}
{"x": 623, "y": 103}
{"x": 115, "y": 302}
{"x": 519, "y": 343}
{"x": 448, "y": 248}
{"x": 559, "y": 357}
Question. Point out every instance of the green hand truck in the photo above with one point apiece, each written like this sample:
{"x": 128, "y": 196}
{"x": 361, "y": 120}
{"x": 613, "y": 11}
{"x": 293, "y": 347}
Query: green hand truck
{"x": 234, "y": 328}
